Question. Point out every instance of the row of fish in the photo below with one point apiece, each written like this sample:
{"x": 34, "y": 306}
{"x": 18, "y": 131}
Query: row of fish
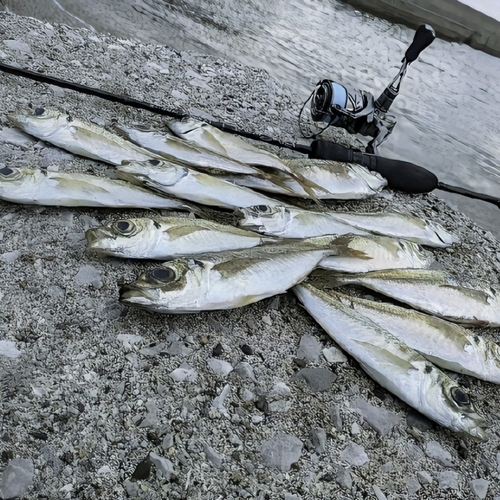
{"x": 278, "y": 245}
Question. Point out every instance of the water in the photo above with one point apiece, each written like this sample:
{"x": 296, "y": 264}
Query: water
{"x": 448, "y": 107}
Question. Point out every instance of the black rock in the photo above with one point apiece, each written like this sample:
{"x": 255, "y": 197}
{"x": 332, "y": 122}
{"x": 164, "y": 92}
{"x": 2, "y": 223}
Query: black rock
{"x": 247, "y": 350}
{"x": 217, "y": 350}
{"x": 416, "y": 419}
{"x": 143, "y": 470}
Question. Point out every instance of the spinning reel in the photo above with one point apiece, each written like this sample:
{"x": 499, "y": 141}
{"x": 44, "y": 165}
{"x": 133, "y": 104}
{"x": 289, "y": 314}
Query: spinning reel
{"x": 356, "y": 111}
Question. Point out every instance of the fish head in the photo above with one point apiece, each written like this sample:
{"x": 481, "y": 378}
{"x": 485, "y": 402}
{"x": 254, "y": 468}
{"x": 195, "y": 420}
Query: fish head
{"x": 17, "y": 184}
{"x": 175, "y": 285}
{"x": 122, "y": 238}
{"x": 184, "y": 126}
{"x": 457, "y": 408}
{"x": 420, "y": 257}
{"x": 41, "y": 122}
{"x": 439, "y": 235}
{"x": 265, "y": 218}
{"x": 165, "y": 173}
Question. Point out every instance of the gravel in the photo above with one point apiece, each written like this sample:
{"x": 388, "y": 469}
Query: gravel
{"x": 101, "y": 401}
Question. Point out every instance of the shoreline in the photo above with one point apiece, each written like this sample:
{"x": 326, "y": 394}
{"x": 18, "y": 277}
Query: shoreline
{"x": 91, "y": 394}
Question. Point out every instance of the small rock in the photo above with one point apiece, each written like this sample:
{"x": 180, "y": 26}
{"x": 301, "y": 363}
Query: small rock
{"x": 318, "y": 439}
{"x": 184, "y": 372}
{"x": 168, "y": 441}
{"x": 281, "y": 451}
{"x": 217, "y": 350}
{"x": 434, "y": 450}
{"x": 291, "y": 496}
{"x": 56, "y": 292}
{"x": 354, "y": 454}
{"x": 143, "y": 470}
{"x": 247, "y": 350}
{"x": 9, "y": 349}
{"x": 17, "y": 478}
{"x": 128, "y": 337}
{"x": 105, "y": 469}
{"x": 89, "y": 275}
{"x": 380, "y": 419}
{"x": 213, "y": 456}
{"x": 378, "y": 492}
{"x": 387, "y": 467}
{"x": 153, "y": 350}
{"x": 218, "y": 402}
{"x": 480, "y": 487}
{"x": 414, "y": 452}
{"x": 281, "y": 390}
{"x": 318, "y": 379}
{"x": 334, "y": 355}
{"x": 412, "y": 485}
{"x": 165, "y": 466}
{"x": 177, "y": 348}
{"x": 416, "y": 419}
{"x": 10, "y": 257}
{"x": 17, "y": 45}
{"x": 245, "y": 371}
{"x": 448, "y": 480}
{"x": 220, "y": 367}
{"x": 344, "y": 478}
{"x": 355, "y": 430}
{"x": 336, "y": 418}
{"x": 247, "y": 395}
{"x": 279, "y": 406}
{"x": 424, "y": 477}
{"x": 309, "y": 348}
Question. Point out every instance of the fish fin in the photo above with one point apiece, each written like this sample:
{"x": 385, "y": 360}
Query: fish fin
{"x": 179, "y": 232}
{"x": 330, "y": 279}
{"x": 308, "y": 186}
{"x": 344, "y": 250}
{"x": 231, "y": 267}
{"x": 386, "y": 357}
{"x": 279, "y": 180}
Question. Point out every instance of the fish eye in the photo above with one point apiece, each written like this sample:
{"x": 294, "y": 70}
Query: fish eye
{"x": 123, "y": 226}
{"x": 262, "y": 208}
{"x": 165, "y": 274}
{"x": 6, "y": 171}
{"x": 39, "y": 111}
{"x": 69, "y": 118}
{"x": 460, "y": 397}
{"x": 154, "y": 162}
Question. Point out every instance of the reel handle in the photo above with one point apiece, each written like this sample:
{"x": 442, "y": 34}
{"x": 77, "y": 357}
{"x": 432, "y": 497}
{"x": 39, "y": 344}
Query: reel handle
{"x": 424, "y": 36}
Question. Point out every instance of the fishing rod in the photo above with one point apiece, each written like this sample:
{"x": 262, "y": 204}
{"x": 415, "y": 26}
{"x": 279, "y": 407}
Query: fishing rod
{"x": 400, "y": 175}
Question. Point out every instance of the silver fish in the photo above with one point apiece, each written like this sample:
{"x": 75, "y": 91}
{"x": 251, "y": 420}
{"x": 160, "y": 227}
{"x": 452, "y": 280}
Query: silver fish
{"x": 433, "y": 292}
{"x": 38, "y": 187}
{"x": 175, "y": 149}
{"x": 78, "y": 137}
{"x": 225, "y": 280}
{"x": 230, "y": 145}
{"x": 395, "y": 366}
{"x": 361, "y": 254}
{"x": 289, "y": 222}
{"x": 445, "y": 344}
{"x": 189, "y": 184}
{"x": 167, "y": 237}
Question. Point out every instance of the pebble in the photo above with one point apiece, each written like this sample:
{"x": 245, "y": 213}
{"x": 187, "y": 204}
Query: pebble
{"x": 9, "y": 349}
{"x": 245, "y": 371}
{"x": 220, "y": 367}
{"x": 177, "y": 348}
{"x": 334, "y": 355}
{"x": 434, "y": 450}
{"x": 281, "y": 451}
{"x": 217, "y": 350}
{"x": 130, "y": 338}
{"x": 318, "y": 439}
{"x": 281, "y": 390}
{"x": 246, "y": 349}
{"x": 344, "y": 478}
{"x": 412, "y": 485}
{"x": 17, "y": 46}
{"x": 414, "y": 452}
{"x": 164, "y": 465}
{"x": 10, "y": 257}
{"x": 309, "y": 348}
{"x": 291, "y": 496}
{"x": 17, "y": 478}
{"x": 424, "y": 477}
{"x": 105, "y": 469}
{"x": 318, "y": 379}
{"x": 378, "y": 492}
{"x": 89, "y": 275}
{"x": 247, "y": 395}
{"x": 184, "y": 372}
{"x": 336, "y": 418}
{"x": 387, "y": 467}
{"x": 380, "y": 419}
{"x": 280, "y": 406}
{"x": 213, "y": 456}
{"x": 168, "y": 441}
{"x": 448, "y": 480}
{"x": 218, "y": 402}
{"x": 355, "y": 429}
{"x": 354, "y": 454}
{"x": 480, "y": 487}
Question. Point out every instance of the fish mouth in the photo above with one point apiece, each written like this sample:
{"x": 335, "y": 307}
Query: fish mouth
{"x": 95, "y": 236}
{"x": 131, "y": 294}
{"x": 478, "y": 428}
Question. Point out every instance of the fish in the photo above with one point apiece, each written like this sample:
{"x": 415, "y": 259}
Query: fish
{"x": 400, "y": 225}
{"x": 361, "y": 254}
{"x": 191, "y": 154}
{"x": 185, "y": 152}
{"x": 184, "y": 182}
{"x": 77, "y": 136}
{"x": 164, "y": 238}
{"x": 64, "y": 189}
{"x": 289, "y": 222}
{"x": 225, "y": 280}
{"x": 395, "y": 366}
{"x": 447, "y": 345}
{"x": 224, "y": 143}
{"x": 433, "y": 292}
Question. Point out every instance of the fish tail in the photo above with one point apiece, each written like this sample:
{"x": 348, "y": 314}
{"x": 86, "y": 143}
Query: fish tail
{"x": 308, "y": 186}
{"x": 279, "y": 180}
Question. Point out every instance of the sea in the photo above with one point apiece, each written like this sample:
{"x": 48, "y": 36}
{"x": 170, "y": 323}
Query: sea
{"x": 449, "y": 104}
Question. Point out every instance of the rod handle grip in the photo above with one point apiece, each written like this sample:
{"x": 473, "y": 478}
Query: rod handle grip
{"x": 424, "y": 36}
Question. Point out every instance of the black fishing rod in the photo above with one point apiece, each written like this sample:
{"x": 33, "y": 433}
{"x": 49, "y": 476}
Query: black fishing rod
{"x": 401, "y": 175}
